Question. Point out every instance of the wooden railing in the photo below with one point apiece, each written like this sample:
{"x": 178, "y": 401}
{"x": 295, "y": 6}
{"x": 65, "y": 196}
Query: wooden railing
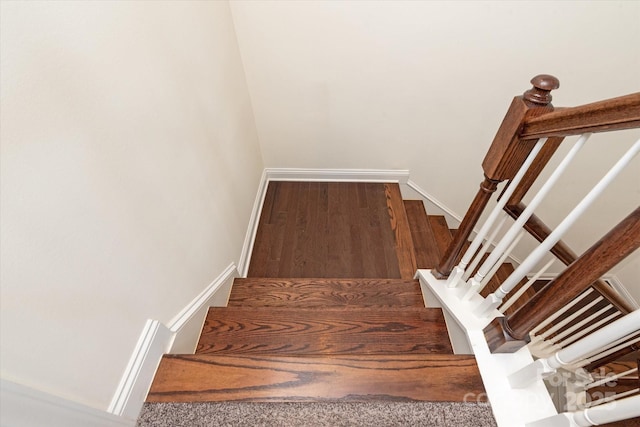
{"x": 577, "y": 301}
{"x": 529, "y": 118}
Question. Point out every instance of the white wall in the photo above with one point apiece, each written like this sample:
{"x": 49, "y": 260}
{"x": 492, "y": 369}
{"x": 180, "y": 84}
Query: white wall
{"x": 130, "y": 162}
{"x": 419, "y": 85}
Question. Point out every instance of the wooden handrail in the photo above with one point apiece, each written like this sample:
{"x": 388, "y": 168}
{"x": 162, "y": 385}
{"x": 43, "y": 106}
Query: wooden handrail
{"x": 507, "y": 334}
{"x": 503, "y": 160}
{"x": 540, "y": 231}
{"x": 608, "y": 115}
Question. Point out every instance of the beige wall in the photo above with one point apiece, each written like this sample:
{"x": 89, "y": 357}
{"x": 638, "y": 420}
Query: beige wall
{"x": 424, "y": 86}
{"x": 130, "y": 162}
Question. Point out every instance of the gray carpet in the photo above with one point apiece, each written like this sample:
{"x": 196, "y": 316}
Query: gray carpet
{"x": 233, "y": 414}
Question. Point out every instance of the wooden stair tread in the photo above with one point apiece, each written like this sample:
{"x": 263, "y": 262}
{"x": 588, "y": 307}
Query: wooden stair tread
{"x": 424, "y": 240}
{"x": 402, "y": 233}
{"x": 206, "y": 378}
{"x": 288, "y": 331}
{"x": 334, "y": 293}
{"x": 441, "y": 232}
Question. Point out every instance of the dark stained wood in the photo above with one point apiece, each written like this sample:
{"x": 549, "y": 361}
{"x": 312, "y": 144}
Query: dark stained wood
{"x": 504, "y": 158}
{"x": 616, "y": 245}
{"x": 612, "y": 114}
{"x": 289, "y": 331}
{"x": 322, "y": 293}
{"x": 424, "y": 240}
{"x": 441, "y": 232}
{"x": 451, "y": 255}
{"x": 324, "y": 230}
{"x": 503, "y": 272}
{"x": 402, "y": 233}
{"x": 540, "y": 231}
{"x": 508, "y": 151}
{"x": 204, "y": 378}
{"x": 538, "y": 165}
{"x": 633, "y": 348}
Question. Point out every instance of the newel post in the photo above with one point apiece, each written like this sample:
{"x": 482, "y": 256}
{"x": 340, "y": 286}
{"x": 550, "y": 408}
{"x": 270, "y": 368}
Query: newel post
{"x": 502, "y": 161}
{"x": 510, "y": 333}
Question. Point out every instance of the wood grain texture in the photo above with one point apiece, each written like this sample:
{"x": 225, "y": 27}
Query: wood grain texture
{"x": 321, "y": 293}
{"x": 540, "y": 231}
{"x": 612, "y": 114}
{"x": 402, "y": 233}
{"x": 424, "y": 241}
{"x": 288, "y": 331}
{"x": 328, "y": 230}
{"x": 441, "y": 232}
{"x": 454, "y": 250}
{"x": 616, "y": 245}
{"x": 203, "y": 378}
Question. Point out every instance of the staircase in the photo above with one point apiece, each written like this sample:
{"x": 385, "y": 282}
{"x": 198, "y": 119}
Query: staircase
{"x": 334, "y": 345}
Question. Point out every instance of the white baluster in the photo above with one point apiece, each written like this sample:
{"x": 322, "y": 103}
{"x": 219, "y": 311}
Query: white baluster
{"x": 553, "y": 238}
{"x": 609, "y": 378}
{"x": 459, "y": 270}
{"x": 568, "y": 356}
{"x": 560, "y": 312}
{"x": 526, "y": 286}
{"x": 587, "y": 330}
{"x": 526, "y": 214}
{"x": 612, "y": 398}
{"x": 611, "y": 412}
{"x": 485, "y": 247}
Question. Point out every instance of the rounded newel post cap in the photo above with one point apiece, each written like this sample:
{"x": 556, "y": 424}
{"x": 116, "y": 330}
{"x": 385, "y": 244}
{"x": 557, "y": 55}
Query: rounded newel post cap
{"x": 540, "y": 93}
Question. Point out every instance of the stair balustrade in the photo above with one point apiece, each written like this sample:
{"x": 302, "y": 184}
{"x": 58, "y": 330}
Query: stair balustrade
{"x": 577, "y": 309}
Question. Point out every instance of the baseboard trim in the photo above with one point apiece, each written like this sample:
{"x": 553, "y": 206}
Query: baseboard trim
{"x": 334, "y": 175}
{"x": 622, "y": 290}
{"x": 157, "y": 339}
{"x": 178, "y": 323}
{"x": 431, "y": 199}
{"x": 24, "y": 406}
{"x": 154, "y": 341}
{"x": 449, "y": 213}
{"x": 252, "y": 229}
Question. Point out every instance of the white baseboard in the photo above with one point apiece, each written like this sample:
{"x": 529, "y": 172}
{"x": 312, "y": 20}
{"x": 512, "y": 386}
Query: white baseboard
{"x": 154, "y": 341}
{"x": 337, "y": 175}
{"x": 23, "y": 406}
{"x": 450, "y": 215}
{"x": 250, "y": 236}
{"x": 187, "y": 325}
{"x": 157, "y": 339}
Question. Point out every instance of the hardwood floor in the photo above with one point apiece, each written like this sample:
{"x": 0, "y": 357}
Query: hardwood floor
{"x": 333, "y": 230}
{"x": 329, "y": 310}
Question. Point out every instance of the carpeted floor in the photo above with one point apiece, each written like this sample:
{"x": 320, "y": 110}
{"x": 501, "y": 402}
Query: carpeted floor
{"x": 383, "y": 414}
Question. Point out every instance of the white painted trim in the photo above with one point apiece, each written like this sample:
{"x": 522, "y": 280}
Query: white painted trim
{"x": 431, "y": 199}
{"x": 611, "y": 279}
{"x": 337, "y": 175}
{"x": 622, "y": 290}
{"x": 511, "y": 407}
{"x": 24, "y": 406}
{"x": 157, "y": 339}
{"x": 154, "y": 341}
{"x": 449, "y": 213}
{"x": 199, "y": 302}
{"x": 252, "y": 229}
